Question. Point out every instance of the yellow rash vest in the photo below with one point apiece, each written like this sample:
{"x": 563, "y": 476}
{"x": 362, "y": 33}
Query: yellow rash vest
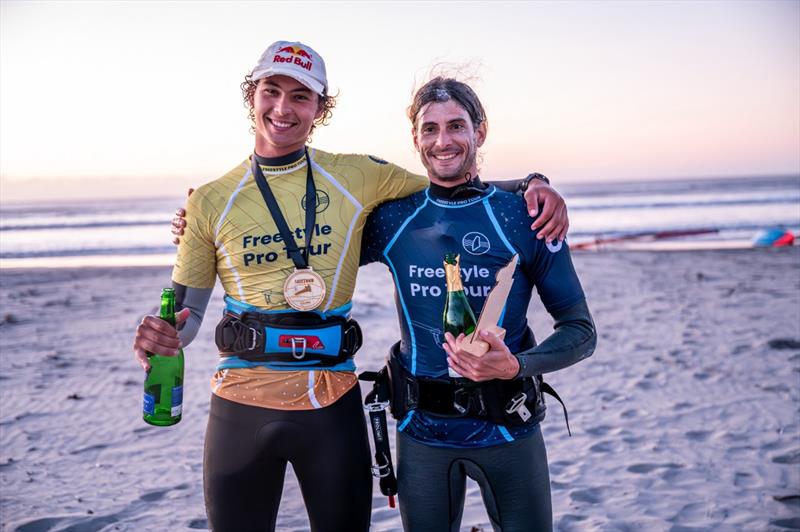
{"x": 230, "y": 234}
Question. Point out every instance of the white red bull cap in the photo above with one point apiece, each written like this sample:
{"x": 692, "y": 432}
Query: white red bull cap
{"x": 295, "y": 60}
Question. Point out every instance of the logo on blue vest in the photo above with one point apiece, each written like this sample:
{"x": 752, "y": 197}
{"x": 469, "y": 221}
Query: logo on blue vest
{"x": 476, "y": 243}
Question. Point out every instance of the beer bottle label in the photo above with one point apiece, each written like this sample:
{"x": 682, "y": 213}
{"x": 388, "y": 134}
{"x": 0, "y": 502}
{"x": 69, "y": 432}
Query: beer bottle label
{"x": 177, "y": 401}
{"x": 149, "y": 404}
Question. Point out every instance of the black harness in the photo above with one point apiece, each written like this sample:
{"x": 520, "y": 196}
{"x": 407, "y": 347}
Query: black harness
{"x": 300, "y": 338}
{"x": 515, "y": 402}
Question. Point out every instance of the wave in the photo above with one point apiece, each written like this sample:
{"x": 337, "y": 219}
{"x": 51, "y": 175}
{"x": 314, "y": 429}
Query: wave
{"x": 83, "y": 225}
{"x": 574, "y": 206}
{"x": 681, "y": 204}
{"x": 83, "y": 252}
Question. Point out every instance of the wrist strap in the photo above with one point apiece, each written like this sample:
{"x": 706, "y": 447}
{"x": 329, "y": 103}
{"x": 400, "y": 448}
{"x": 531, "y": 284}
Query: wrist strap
{"x": 535, "y": 175}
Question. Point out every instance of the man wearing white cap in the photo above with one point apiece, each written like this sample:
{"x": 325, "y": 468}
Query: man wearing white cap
{"x": 282, "y": 232}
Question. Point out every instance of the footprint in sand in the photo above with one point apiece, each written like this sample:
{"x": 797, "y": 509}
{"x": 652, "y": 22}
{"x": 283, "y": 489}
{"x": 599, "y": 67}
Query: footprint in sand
{"x": 742, "y": 348}
{"x": 152, "y": 496}
{"x": 649, "y": 468}
{"x": 790, "y": 458}
{"x": 159, "y": 494}
{"x": 607, "y": 446}
{"x": 743, "y": 479}
{"x": 38, "y": 525}
{"x": 784, "y": 343}
{"x": 779, "y": 388}
{"x": 590, "y": 495}
{"x": 82, "y": 450}
{"x": 792, "y": 523}
{"x": 600, "y": 430}
{"x": 698, "y": 435}
{"x": 788, "y": 499}
{"x": 571, "y": 521}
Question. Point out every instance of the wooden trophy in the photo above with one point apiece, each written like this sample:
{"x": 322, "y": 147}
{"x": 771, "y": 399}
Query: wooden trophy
{"x": 492, "y": 309}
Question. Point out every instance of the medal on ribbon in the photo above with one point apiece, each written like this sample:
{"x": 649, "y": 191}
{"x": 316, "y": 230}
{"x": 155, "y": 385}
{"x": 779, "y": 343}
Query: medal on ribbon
{"x": 304, "y": 289}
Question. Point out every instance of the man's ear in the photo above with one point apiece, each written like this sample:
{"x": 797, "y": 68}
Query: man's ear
{"x": 320, "y": 108}
{"x": 414, "y": 136}
{"x": 480, "y": 134}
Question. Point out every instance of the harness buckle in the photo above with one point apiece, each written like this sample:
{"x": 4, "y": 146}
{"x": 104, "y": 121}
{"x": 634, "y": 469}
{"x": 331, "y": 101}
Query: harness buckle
{"x": 295, "y": 341}
{"x": 381, "y": 471}
{"x": 517, "y": 406}
{"x": 377, "y": 406}
{"x": 461, "y": 400}
{"x": 254, "y": 340}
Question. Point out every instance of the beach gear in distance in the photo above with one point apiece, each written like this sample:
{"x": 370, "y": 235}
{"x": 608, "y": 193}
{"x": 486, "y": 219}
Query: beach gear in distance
{"x": 458, "y": 316}
{"x": 774, "y": 237}
{"x": 163, "y": 386}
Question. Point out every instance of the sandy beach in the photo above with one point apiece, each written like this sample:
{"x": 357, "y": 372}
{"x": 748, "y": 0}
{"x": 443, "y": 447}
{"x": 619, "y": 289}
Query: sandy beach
{"x": 686, "y": 418}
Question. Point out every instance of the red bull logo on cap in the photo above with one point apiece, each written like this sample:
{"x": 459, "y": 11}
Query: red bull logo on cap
{"x": 298, "y": 57}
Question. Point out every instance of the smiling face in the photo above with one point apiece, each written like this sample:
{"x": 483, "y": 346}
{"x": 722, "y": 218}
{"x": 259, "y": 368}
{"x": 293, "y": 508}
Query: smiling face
{"x": 284, "y": 112}
{"x": 448, "y": 142}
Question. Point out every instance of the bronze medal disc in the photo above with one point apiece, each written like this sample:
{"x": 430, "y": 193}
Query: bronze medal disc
{"x": 304, "y": 289}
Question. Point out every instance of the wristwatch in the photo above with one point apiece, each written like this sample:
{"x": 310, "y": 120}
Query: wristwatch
{"x": 535, "y": 175}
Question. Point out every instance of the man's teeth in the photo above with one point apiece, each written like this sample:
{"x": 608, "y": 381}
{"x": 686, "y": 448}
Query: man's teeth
{"x": 276, "y": 123}
{"x": 445, "y": 156}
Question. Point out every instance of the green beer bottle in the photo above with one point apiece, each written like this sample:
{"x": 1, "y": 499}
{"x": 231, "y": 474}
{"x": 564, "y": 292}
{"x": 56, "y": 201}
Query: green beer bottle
{"x": 163, "y": 386}
{"x": 458, "y": 317}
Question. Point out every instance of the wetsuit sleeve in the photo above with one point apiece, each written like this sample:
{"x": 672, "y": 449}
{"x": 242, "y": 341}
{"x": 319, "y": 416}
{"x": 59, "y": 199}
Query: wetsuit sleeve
{"x": 196, "y": 262}
{"x": 371, "y": 241}
{"x": 513, "y": 186}
{"x": 381, "y": 227}
{"x": 550, "y": 268}
{"x": 573, "y": 339}
{"x": 196, "y": 300}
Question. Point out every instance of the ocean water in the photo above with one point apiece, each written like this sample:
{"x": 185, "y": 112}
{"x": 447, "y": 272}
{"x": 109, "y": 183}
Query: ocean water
{"x": 722, "y": 209}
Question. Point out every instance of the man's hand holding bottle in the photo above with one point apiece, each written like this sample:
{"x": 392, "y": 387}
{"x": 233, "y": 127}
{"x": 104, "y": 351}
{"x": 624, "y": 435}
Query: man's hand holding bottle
{"x": 496, "y": 363}
{"x": 155, "y": 335}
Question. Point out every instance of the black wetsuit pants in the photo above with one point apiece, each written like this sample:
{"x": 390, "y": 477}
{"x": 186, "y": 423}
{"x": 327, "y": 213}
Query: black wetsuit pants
{"x": 246, "y": 451}
{"x": 513, "y": 478}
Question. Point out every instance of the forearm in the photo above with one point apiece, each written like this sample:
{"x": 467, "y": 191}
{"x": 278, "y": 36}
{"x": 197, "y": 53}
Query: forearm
{"x": 573, "y": 339}
{"x": 196, "y": 300}
{"x": 514, "y": 186}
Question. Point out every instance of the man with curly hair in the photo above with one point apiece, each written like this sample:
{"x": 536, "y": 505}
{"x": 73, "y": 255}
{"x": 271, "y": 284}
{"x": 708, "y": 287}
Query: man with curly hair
{"x": 282, "y": 232}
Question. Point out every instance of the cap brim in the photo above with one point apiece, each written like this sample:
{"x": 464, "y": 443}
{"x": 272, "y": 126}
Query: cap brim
{"x": 278, "y": 70}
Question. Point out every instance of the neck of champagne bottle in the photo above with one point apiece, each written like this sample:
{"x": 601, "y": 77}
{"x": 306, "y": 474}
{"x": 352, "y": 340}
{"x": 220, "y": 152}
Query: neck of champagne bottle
{"x": 453, "y": 275}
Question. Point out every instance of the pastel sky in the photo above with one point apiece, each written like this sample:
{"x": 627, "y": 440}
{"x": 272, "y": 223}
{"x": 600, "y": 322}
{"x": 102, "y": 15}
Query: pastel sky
{"x": 114, "y": 97}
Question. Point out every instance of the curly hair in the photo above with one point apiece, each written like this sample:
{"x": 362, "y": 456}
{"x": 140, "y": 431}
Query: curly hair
{"x": 326, "y": 104}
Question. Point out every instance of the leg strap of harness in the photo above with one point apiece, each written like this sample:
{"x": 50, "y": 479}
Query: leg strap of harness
{"x": 546, "y": 388}
{"x": 376, "y": 402}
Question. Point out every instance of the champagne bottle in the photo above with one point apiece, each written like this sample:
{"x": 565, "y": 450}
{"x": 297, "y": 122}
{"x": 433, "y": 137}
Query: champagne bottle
{"x": 163, "y": 386}
{"x": 458, "y": 317}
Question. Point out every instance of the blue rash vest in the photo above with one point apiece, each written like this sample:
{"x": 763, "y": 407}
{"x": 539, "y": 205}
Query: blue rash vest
{"x": 411, "y": 236}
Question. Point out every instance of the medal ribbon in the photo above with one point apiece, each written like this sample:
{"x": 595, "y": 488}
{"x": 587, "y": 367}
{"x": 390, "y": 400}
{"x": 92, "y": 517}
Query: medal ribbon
{"x": 298, "y": 256}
